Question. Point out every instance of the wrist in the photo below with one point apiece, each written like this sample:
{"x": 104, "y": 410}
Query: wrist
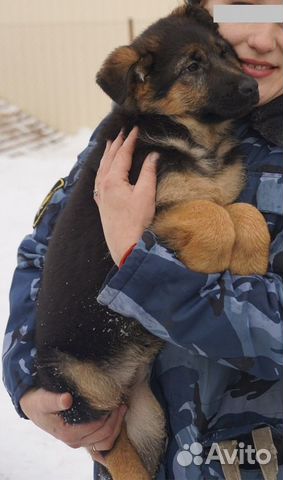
{"x": 126, "y": 255}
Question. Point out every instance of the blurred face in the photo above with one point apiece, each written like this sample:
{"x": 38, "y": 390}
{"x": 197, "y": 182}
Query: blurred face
{"x": 259, "y": 47}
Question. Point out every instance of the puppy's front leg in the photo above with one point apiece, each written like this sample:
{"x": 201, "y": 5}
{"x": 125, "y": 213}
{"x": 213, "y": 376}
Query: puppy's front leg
{"x": 201, "y": 232}
{"x": 251, "y": 249}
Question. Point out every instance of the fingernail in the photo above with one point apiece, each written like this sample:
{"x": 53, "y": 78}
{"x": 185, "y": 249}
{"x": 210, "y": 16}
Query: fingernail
{"x": 123, "y": 410}
{"x": 61, "y": 402}
{"x": 64, "y": 401}
{"x": 122, "y": 132}
{"x": 153, "y": 157}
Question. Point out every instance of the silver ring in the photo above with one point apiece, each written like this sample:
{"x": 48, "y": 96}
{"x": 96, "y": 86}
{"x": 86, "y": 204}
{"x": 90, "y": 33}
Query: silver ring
{"x": 93, "y": 449}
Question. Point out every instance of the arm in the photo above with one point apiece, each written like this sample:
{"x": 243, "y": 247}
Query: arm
{"x": 236, "y": 321}
{"x": 19, "y": 352}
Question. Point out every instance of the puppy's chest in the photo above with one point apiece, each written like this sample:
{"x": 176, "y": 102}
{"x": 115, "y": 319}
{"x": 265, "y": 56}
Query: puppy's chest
{"x": 203, "y": 177}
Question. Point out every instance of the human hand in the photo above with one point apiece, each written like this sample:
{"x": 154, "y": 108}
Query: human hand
{"x": 43, "y": 408}
{"x": 125, "y": 209}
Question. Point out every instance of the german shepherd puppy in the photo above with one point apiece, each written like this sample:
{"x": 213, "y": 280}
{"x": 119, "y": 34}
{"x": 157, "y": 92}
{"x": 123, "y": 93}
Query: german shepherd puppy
{"x": 181, "y": 84}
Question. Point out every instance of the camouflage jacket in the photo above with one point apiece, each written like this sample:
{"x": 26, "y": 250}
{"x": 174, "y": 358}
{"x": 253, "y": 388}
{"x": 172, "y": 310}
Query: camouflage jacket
{"x": 220, "y": 373}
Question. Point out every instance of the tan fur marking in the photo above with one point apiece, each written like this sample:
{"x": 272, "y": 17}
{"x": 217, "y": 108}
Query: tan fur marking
{"x": 250, "y": 253}
{"x": 123, "y": 461}
{"x": 144, "y": 98}
{"x": 207, "y": 135}
{"x": 174, "y": 142}
{"x": 178, "y": 101}
{"x": 222, "y": 189}
{"x": 225, "y": 147}
{"x": 142, "y": 443}
{"x": 125, "y": 56}
{"x": 124, "y": 369}
{"x": 145, "y": 422}
{"x": 182, "y": 98}
{"x": 201, "y": 232}
{"x": 231, "y": 182}
{"x": 96, "y": 386}
{"x": 152, "y": 43}
{"x": 106, "y": 387}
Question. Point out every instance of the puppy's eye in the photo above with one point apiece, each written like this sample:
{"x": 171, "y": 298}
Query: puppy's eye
{"x": 193, "y": 67}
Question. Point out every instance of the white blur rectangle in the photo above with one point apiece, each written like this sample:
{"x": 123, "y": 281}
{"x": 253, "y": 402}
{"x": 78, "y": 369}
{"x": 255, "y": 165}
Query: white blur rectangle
{"x": 248, "y": 13}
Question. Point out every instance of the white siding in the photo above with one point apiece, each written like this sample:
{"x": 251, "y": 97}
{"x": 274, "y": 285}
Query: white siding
{"x": 52, "y": 49}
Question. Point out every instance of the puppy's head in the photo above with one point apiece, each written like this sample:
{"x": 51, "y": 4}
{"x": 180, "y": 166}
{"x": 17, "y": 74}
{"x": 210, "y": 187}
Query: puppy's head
{"x": 179, "y": 66}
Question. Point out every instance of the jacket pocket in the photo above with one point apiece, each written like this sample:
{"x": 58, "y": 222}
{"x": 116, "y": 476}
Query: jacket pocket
{"x": 269, "y": 196}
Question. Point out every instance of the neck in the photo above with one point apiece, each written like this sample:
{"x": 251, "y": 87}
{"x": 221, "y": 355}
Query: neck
{"x": 207, "y": 135}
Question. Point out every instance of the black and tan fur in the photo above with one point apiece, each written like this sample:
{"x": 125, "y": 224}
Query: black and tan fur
{"x": 181, "y": 84}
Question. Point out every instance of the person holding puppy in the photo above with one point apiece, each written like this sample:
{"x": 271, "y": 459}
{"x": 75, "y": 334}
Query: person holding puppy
{"x": 212, "y": 390}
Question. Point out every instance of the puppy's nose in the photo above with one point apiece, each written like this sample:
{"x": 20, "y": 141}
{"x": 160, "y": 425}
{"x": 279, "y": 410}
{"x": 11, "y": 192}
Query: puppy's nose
{"x": 248, "y": 87}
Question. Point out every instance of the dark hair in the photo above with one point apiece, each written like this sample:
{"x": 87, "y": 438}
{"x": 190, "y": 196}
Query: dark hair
{"x": 192, "y": 2}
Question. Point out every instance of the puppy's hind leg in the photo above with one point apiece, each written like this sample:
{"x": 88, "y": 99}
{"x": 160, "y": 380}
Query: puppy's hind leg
{"x": 123, "y": 461}
{"x": 146, "y": 425}
{"x": 138, "y": 450}
{"x": 104, "y": 394}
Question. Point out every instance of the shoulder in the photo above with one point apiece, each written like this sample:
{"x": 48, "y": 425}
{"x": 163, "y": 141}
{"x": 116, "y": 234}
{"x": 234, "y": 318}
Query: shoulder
{"x": 259, "y": 155}
{"x": 56, "y": 198}
{"x": 264, "y": 187}
{"x": 264, "y": 168}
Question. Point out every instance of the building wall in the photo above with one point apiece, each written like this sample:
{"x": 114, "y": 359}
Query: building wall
{"x": 52, "y": 49}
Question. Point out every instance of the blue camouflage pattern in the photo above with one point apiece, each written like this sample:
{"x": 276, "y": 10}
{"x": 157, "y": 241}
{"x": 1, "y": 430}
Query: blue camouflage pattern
{"x": 18, "y": 349}
{"x": 219, "y": 375}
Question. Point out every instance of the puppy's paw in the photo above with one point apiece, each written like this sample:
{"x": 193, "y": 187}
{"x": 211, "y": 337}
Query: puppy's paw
{"x": 201, "y": 232}
{"x": 251, "y": 249}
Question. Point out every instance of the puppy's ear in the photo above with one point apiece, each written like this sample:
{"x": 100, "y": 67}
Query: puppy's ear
{"x": 192, "y": 3}
{"x": 121, "y": 71}
{"x": 201, "y": 15}
{"x": 194, "y": 10}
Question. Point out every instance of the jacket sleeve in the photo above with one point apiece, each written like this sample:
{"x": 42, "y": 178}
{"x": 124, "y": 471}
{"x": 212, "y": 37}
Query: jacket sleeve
{"x": 19, "y": 351}
{"x": 233, "y": 320}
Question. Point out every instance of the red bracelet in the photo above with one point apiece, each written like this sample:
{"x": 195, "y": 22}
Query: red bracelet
{"x": 126, "y": 255}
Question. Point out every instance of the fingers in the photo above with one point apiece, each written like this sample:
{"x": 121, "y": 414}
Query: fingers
{"x": 117, "y": 157}
{"x": 54, "y": 402}
{"x": 74, "y": 435}
{"x": 104, "y": 445}
{"x": 109, "y": 153}
{"x": 104, "y": 438}
{"x": 102, "y": 433}
{"x": 44, "y": 407}
{"x": 122, "y": 161}
{"x": 147, "y": 179}
{"x": 65, "y": 401}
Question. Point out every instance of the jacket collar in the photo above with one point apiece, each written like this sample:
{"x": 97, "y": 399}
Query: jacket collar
{"x": 268, "y": 121}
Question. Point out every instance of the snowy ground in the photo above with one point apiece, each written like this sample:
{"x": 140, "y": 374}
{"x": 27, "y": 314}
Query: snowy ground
{"x": 27, "y": 453}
